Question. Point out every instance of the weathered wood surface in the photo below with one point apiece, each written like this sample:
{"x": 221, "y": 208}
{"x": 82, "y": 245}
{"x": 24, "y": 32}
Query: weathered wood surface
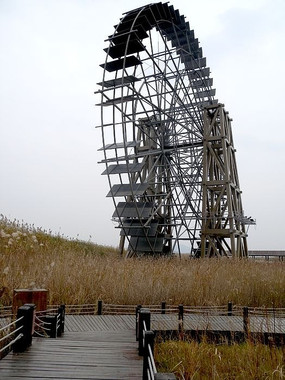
{"x": 103, "y": 351}
{"x": 218, "y": 323}
{"x": 170, "y": 322}
{"x": 104, "y": 347}
{"x": 99, "y": 322}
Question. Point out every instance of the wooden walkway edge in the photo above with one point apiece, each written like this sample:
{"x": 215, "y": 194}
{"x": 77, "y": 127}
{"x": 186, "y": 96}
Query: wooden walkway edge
{"x": 105, "y": 350}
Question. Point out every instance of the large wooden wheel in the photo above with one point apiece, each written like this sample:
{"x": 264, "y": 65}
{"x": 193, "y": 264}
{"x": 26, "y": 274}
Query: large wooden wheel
{"x": 154, "y": 89}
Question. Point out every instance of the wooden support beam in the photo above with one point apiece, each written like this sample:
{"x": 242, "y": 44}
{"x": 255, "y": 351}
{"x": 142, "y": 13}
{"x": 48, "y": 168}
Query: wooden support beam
{"x": 223, "y": 231}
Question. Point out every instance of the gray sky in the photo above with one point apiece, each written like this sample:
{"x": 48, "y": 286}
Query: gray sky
{"x": 50, "y": 51}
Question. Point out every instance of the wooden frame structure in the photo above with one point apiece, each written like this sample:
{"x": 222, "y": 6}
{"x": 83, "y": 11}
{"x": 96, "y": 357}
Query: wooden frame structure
{"x": 167, "y": 142}
{"x": 223, "y": 222}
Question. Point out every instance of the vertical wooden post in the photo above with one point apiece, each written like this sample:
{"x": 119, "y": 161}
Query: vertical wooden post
{"x": 121, "y": 245}
{"x": 51, "y": 321}
{"x": 54, "y": 326}
{"x": 220, "y": 189}
{"x": 163, "y": 307}
{"x": 137, "y": 321}
{"x": 63, "y": 318}
{"x": 180, "y": 317}
{"x": 245, "y": 321}
{"x": 61, "y": 312}
{"x": 230, "y": 309}
{"x": 27, "y": 323}
{"x": 148, "y": 341}
{"x": 100, "y": 307}
{"x": 144, "y": 316}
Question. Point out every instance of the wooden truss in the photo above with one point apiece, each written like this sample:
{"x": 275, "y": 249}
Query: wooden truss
{"x": 223, "y": 223}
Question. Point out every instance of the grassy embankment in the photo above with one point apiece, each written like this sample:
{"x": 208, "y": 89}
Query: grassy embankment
{"x": 83, "y": 272}
{"x": 78, "y": 272}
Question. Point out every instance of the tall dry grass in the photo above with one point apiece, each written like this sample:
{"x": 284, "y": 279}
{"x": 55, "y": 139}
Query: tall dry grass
{"x": 197, "y": 361}
{"x": 79, "y": 272}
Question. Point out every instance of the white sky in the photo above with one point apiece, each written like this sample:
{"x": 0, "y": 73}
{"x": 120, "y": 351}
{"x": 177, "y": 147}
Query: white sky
{"x": 50, "y": 51}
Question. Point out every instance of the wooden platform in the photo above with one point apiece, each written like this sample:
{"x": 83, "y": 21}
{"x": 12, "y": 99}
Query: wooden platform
{"x": 106, "y": 349}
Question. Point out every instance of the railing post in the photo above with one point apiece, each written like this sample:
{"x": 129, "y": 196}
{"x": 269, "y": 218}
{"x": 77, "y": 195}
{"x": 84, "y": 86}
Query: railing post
{"x": 100, "y": 307}
{"x": 180, "y": 318}
{"x": 148, "y": 341}
{"x": 61, "y": 312}
{"x": 26, "y": 311}
{"x": 245, "y": 321}
{"x": 163, "y": 307}
{"x": 230, "y": 309}
{"x": 137, "y": 321}
{"x": 144, "y": 316}
{"x": 51, "y": 321}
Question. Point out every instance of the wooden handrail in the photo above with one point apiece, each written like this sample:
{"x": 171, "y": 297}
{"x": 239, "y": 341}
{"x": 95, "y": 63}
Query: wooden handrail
{"x": 146, "y": 347}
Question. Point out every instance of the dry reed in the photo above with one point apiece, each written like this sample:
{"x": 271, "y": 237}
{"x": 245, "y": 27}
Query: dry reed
{"x": 77, "y": 272}
{"x": 191, "y": 360}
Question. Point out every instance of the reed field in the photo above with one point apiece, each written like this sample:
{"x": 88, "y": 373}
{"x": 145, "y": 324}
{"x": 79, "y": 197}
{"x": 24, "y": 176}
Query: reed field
{"x": 199, "y": 361}
{"x": 78, "y": 272}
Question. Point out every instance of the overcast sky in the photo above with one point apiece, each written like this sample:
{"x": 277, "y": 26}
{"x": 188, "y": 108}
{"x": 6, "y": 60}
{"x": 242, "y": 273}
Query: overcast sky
{"x": 50, "y": 51}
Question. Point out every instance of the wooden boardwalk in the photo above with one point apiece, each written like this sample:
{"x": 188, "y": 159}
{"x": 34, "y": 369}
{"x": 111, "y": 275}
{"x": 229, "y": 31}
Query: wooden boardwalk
{"x": 219, "y": 323}
{"x": 161, "y": 322}
{"x": 92, "y": 347}
{"x": 76, "y": 323}
{"x": 104, "y": 347}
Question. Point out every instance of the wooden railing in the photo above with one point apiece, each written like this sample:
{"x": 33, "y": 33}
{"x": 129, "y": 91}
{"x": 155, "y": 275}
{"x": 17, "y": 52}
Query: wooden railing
{"x": 245, "y": 315}
{"x": 223, "y": 310}
{"x": 17, "y": 335}
{"x": 50, "y": 323}
{"x": 145, "y": 337}
{"x": 267, "y": 255}
{"x": 9, "y": 336}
